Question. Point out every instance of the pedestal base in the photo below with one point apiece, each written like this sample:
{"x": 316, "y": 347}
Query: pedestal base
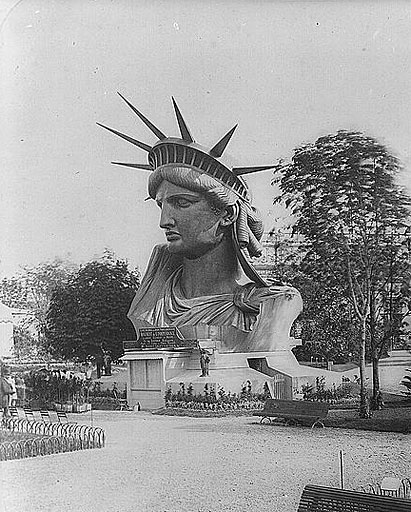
{"x": 152, "y": 373}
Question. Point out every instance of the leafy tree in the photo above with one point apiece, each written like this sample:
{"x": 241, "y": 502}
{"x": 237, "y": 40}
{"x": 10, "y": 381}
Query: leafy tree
{"x": 31, "y": 290}
{"x": 328, "y": 326}
{"x": 342, "y": 191}
{"x": 326, "y": 322}
{"x": 41, "y": 281}
{"x": 91, "y": 309}
{"x": 13, "y": 292}
{"x": 25, "y": 342}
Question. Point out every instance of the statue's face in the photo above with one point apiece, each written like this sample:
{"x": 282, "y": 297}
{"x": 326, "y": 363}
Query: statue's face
{"x": 190, "y": 224}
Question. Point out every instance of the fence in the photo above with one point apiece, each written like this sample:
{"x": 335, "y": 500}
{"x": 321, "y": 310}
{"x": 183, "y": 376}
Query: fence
{"x": 52, "y": 438}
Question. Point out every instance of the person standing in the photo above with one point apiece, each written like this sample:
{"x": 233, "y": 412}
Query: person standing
{"x": 5, "y": 391}
{"x": 13, "y": 396}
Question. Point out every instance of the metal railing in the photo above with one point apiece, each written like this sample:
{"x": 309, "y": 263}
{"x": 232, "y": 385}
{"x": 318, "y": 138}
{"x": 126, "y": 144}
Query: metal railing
{"x": 404, "y": 490}
{"x": 52, "y": 438}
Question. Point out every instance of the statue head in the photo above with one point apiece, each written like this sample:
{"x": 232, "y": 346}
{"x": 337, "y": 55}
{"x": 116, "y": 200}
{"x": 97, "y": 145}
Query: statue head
{"x": 193, "y": 223}
{"x": 210, "y": 197}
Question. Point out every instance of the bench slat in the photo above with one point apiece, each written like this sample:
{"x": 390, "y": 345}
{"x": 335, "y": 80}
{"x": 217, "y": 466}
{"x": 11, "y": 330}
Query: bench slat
{"x": 326, "y": 499}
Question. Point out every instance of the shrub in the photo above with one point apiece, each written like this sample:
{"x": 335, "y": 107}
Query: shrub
{"x": 221, "y": 400}
{"x": 318, "y": 393}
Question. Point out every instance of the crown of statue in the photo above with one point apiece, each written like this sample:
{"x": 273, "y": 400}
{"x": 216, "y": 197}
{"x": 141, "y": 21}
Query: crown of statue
{"x": 171, "y": 150}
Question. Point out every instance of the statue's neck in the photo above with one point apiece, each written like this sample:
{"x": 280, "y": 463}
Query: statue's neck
{"x": 211, "y": 274}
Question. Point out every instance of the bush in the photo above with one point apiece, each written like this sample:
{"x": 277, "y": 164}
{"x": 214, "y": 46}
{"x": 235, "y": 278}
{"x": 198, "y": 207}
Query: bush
{"x": 347, "y": 391}
{"x": 221, "y": 400}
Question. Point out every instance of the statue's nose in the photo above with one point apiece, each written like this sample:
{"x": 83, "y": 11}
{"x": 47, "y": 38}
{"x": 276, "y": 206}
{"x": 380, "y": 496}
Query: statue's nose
{"x": 166, "y": 218}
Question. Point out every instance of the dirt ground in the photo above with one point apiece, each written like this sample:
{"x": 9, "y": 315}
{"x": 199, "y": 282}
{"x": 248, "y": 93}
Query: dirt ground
{"x": 162, "y": 463}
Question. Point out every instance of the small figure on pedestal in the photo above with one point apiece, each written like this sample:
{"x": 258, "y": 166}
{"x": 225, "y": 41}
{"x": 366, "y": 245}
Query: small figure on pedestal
{"x": 204, "y": 363}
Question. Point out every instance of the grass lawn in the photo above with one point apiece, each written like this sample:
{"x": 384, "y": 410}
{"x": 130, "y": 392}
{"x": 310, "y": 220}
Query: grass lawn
{"x": 389, "y": 419}
{"x": 394, "y": 417}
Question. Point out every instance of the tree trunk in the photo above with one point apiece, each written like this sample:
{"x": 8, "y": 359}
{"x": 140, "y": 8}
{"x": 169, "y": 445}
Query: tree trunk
{"x": 373, "y": 343}
{"x": 364, "y": 405}
{"x": 377, "y": 402}
{"x": 375, "y": 375}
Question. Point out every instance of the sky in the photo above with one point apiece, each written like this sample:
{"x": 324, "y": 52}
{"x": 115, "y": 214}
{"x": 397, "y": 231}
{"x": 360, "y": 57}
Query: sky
{"x": 287, "y": 72}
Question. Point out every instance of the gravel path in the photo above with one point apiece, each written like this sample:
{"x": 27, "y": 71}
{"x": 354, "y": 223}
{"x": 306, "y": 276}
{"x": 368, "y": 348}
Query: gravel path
{"x": 161, "y": 463}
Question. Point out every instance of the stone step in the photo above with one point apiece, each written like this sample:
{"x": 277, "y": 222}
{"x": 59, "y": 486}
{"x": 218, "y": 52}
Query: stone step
{"x": 395, "y": 362}
{"x": 396, "y": 358}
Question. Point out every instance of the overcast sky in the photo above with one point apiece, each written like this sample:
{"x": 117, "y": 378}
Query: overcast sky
{"x": 287, "y": 72}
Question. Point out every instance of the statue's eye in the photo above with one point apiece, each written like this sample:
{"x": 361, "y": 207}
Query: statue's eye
{"x": 181, "y": 202}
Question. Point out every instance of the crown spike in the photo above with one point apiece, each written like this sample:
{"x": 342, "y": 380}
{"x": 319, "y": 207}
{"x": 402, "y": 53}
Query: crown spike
{"x": 219, "y": 148}
{"x": 137, "y": 143}
{"x": 185, "y": 132}
{"x": 238, "y": 171}
{"x": 159, "y": 134}
{"x": 144, "y": 167}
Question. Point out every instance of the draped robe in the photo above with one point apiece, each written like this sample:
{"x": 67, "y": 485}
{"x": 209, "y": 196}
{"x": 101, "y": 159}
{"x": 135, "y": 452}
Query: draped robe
{"x": 230, "y": 316}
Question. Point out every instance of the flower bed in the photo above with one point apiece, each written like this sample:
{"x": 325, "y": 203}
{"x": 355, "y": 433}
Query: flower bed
{"x": 216, "y": 406}
{"x": 213, "y": 399}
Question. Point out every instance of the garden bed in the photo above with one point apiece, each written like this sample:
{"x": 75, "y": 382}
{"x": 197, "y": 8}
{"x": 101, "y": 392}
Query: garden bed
{"x": 389, "y": 419}
{"x": 202, "y": 413}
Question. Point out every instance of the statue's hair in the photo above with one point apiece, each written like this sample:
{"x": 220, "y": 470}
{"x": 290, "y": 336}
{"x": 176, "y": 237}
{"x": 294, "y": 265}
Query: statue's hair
{"x": 248, "y": 226}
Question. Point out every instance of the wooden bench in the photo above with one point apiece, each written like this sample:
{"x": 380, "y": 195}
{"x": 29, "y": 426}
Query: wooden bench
{"x": 13, "y": 412}
{"x": 316, "y": 498}
{"x": 29, "y": 414}
{"x": 45, "y": 416}
{"x": 297, "y": 411}
{"x": 62, "y": 417}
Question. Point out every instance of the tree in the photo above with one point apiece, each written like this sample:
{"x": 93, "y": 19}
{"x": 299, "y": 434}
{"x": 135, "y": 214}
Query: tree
{"x": 91, "y": 309}
{"x": 30, "y": 290}
{"x": 41, "y": 281}
{"x": 326, "y": 323}
{"x": 25, "y": 342}
{"x": 13, "y": 292}
{"x": 328, "y": 328}
{"x": 342, "y": 191}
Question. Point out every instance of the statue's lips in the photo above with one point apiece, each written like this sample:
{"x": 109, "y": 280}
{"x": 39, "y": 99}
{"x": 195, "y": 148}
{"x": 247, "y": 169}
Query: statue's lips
{"x": 172, "y": 235}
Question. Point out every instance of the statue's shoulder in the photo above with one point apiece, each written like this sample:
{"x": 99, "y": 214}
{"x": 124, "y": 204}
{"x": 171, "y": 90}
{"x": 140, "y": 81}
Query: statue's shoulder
{"x": 250, "y": 295}
{"x": 159, "y": 251}
{"x": 160, "y": 267}
{"x": 162, "y": 259}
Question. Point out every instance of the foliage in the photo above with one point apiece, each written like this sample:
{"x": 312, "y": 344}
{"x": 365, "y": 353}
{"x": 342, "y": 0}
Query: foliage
{"x": 30, "y": 291}
{"x": 47, "y": 387}
{"x": 25, "y": 343}
{"x": 220, "y": 400}
{"x": 14, "y": 292}
{"x": 90, "y": 310}
{"x": 328, "y": 326}
{"x": 342, "y": 191}
{"x": 346, "y": 391}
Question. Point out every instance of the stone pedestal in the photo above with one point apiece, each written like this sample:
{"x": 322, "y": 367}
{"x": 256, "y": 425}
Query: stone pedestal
{"x": 152, "y": 372}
